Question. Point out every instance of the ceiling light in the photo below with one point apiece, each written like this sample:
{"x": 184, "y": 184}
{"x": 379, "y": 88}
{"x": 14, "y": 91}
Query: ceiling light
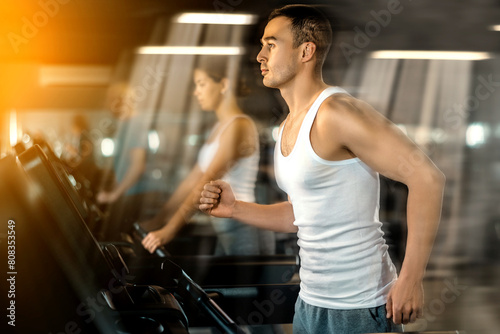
{"x": 74, "y": 75}
{"x": 212, "y": 18}
{"x": 191, "y": 50}
{"x": 445, "y": 55}
{"x": 476, "y": 134}
{"x": 107, "y": 147}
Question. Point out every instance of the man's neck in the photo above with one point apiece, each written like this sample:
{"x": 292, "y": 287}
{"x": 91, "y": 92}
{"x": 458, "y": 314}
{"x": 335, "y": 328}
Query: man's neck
{"x": 301, "y": 92}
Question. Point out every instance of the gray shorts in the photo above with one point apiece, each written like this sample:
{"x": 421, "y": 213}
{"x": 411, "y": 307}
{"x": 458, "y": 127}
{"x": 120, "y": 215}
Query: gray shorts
{"x": 310, "y": 319}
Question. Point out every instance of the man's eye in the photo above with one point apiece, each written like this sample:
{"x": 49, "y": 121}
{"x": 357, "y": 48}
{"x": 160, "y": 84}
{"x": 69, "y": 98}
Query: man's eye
{"x": 270, "y": 46}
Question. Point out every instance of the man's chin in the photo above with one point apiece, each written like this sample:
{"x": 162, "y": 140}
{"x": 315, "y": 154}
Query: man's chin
{"x": 268, "y": 83}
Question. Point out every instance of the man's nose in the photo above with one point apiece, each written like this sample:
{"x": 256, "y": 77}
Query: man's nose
{"x": 260, "y": 56}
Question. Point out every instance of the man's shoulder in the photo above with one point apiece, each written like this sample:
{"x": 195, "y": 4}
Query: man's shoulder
{"x": 341, "y": 112}
{"x": 337, "y": 104}
{"x": 339, "y": 99}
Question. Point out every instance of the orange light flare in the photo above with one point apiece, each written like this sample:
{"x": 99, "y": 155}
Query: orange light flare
{"x": 15, "y": 129}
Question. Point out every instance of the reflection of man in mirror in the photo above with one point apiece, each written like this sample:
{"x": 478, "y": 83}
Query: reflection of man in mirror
{"x": 79, "y": 151}
{"x": 130, "y": 185}
{"x": 79, "y": 145}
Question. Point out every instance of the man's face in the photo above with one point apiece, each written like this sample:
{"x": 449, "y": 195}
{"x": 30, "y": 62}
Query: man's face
{"x": 278, "y": 59}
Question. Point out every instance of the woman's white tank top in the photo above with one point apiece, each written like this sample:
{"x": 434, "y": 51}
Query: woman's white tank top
{"x": 243, "y": 174}
{"x": 344, "y": 258}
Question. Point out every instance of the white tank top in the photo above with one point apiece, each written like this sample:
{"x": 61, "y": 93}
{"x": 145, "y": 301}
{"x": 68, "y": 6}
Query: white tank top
{"x": 344, "y": 258}
{"x": 243, "y": 174}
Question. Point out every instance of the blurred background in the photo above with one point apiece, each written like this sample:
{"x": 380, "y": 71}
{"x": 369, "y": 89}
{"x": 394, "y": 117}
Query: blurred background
{"x": 431, "y": 67}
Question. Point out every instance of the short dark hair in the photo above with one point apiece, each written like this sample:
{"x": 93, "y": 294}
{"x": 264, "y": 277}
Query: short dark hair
{"x": 308, "y": 25}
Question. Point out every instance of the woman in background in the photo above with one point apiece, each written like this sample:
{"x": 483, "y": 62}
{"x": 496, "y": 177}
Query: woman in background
{"x": 231, "y": 153}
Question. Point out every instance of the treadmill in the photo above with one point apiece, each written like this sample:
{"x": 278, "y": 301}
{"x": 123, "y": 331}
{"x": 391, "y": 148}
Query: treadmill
{"x": 154, "y": 293}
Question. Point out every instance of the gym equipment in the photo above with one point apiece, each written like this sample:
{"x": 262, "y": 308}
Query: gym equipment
{"x": 157, "y": 293}
{"x": 88, "y": 272}
{"x": 160, "y": 251}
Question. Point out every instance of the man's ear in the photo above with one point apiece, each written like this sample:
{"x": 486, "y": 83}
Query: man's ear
{"x": 308, "y": 50}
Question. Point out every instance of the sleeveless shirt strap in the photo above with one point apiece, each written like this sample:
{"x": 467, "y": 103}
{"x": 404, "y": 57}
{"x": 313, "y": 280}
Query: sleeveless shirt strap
{"x": 313, "y": 111}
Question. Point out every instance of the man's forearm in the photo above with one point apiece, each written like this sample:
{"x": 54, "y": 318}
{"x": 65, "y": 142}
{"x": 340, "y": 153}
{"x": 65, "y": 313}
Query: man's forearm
{"x": 275, "y": 217}
{"x": 131, "y": 177}
{"x": 137, "y": 165}
{"x": 424, "y": 213}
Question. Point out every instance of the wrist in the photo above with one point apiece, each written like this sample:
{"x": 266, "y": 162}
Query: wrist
{"x": 115, "y": 193}
{"x": 412, "y": 275}
{"x": 237, "y": 207}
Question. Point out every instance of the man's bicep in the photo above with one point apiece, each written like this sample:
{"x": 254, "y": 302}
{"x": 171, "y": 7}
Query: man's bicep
{"x": 137, "y": 155}
{"x": 382, "y": 145}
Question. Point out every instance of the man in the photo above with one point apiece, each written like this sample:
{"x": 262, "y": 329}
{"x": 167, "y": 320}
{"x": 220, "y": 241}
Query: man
{"x": 131, "y": 140}
{"x": 132, "y": 187}
{"x": 330, "y": 151}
